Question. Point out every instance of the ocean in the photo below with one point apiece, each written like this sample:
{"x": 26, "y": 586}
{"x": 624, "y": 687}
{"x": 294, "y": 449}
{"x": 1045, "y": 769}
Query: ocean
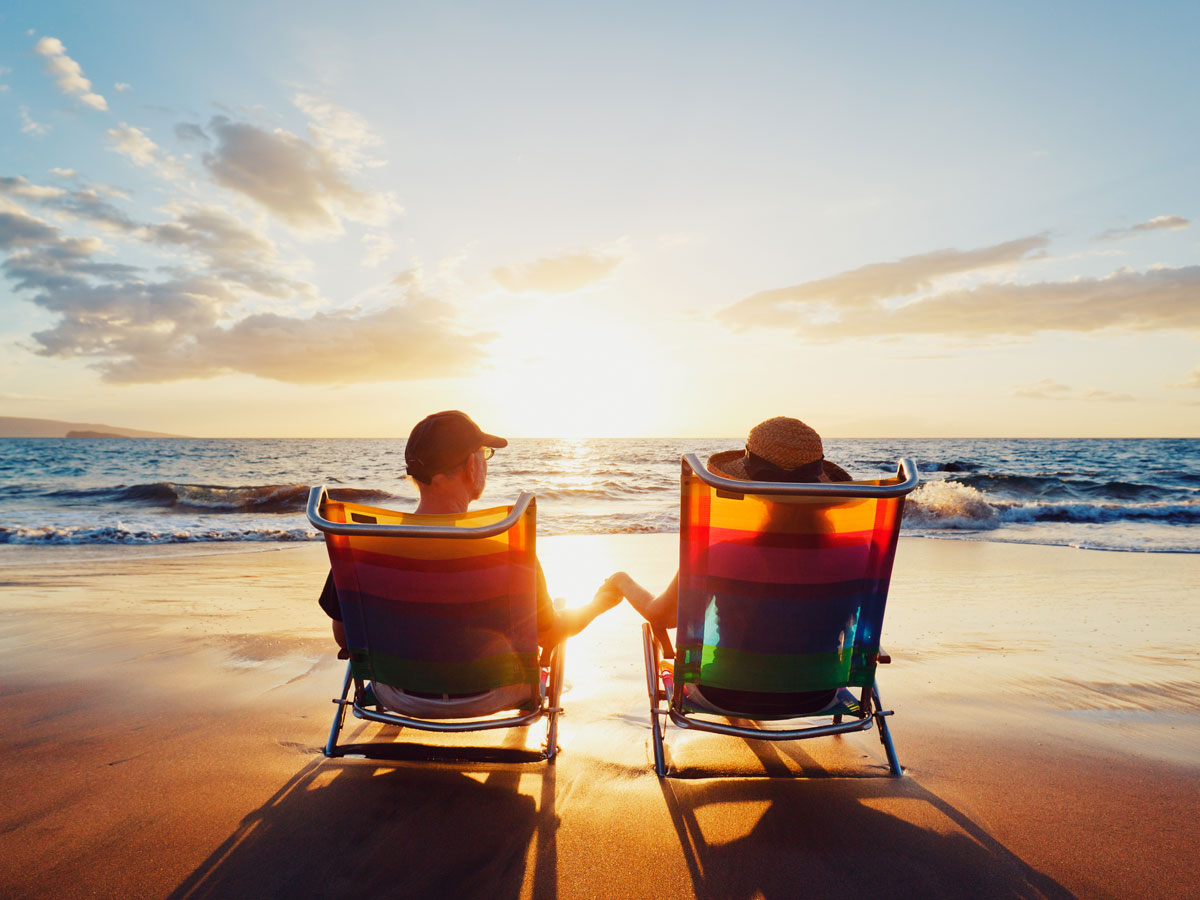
{"x": 1137, "y": 495}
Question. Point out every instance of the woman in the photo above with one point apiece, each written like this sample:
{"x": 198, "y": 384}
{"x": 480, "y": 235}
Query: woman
{"x": 779, "y": 449}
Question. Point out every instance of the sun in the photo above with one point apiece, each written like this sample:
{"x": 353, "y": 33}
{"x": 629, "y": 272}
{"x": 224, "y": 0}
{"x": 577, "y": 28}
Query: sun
{"x": 572, "y": 376}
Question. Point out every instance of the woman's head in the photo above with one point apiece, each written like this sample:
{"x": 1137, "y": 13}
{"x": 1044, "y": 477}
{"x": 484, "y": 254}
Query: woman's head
{"x": 779, "y": 449}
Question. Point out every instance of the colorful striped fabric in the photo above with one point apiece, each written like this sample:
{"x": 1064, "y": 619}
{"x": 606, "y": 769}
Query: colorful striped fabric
{"x": 438, "y": 615}
{"x": 782, "y": 594}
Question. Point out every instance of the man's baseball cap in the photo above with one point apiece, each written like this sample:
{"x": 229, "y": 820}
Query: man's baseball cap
{"x": 442, "y": 441}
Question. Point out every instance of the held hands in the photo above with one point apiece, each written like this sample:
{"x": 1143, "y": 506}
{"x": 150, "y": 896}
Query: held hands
{"x": 608, "y": 596}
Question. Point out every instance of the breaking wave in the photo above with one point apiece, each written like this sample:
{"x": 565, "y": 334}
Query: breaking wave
{"x": 265, "y": 498}
{"x": 122, "y": 534}
{"x": 955, "y": 505}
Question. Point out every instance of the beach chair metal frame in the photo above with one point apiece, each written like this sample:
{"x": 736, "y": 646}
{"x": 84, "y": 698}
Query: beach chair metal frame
{"x": 548, "y": 707}
{"x": 868, "y": 711}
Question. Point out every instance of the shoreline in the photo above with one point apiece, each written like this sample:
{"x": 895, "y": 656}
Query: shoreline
{"x": 165, "y": 714}
{"x": 12, "y": 553}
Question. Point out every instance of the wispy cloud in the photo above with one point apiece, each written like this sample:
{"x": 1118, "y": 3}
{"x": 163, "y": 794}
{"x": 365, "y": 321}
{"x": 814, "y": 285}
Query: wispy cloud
{"x": 300, "y": 183}
{"x": 136, "y": 146}
{"x": 345, "y": 135}
{"x": 378, "y": 248}
{"x": 1049, "y": 389}
{"x": 29, "y": 125}
{"x": 122, "y": 86}
{"x": 1158, "y": 223}
{"x": 557, "y": 275}
{"x": 1190, "y": 381}
{"x": 864, "y": 287}
{"x": 85, "y": 203}
{"x": 861, "y": 302}
{"x": 1043, "y": 389}
{"x": 189, "y": 131}
{"x": 67, "y": 73}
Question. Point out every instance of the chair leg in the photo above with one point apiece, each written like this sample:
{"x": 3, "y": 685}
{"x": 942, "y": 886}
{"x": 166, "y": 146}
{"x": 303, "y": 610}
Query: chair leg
{"x": 885, "y": 734}
{"x": 554, "y": 697}
{"x": 339, "y": 716}
{"x": 656, "y": 727}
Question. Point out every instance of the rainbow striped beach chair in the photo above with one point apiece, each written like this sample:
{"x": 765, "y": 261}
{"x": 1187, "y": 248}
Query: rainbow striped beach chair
{"x": 782, "y": 589}
{"x": 440, "y": 615}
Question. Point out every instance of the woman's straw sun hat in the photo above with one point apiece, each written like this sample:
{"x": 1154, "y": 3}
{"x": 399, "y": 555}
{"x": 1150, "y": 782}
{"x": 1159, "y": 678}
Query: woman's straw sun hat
{"x": 779, "y": 449}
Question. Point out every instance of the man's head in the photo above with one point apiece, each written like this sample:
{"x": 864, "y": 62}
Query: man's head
{"x": 443, "y": 452}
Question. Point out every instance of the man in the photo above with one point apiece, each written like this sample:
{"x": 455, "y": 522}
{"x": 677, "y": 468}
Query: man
{"x": 447, "y": 456}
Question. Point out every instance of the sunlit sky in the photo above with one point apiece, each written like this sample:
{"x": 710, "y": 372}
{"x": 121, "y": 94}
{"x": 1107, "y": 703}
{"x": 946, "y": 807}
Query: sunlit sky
{"x": 294, "y": 219}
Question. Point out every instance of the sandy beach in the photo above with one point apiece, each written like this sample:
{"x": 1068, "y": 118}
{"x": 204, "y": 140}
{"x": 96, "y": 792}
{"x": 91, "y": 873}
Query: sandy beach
{"x": 164, "y": 710}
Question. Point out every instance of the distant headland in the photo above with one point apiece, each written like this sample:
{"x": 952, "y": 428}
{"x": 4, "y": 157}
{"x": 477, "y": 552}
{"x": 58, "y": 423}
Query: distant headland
{"x": 15, "y": 427}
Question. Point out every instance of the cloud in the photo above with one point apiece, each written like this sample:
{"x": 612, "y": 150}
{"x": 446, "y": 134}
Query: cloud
{"x": 20, "y": 230}
{"x": 556, "y": 275}
{"x": 136, "y": 146}
{"x": 67, "y": 73}
{"x": 194, "y": 322}
{"x": 1108, "y": 396}
{"x": 298, "y": 182}
{"x": 55, "y": 264}
{"x": 189, "y": 131}
{"x": 210, "y": 239}
{"x": 64, "y": 173}
{"x": 18, "y": 186}
{"x": 1127, "y": 300}
{"x": 29, "y": 126}
{"x": 1049, "y": 389}
{"x": 1158, "y": 223}
{"x": 413, "y": 340}
{"x": 1190, "y": 381}
{"x": 21, "y": 398}
{"x": 863, "y": 287}
{"x": 1045, "y": 389}
{"x": 379, "y": 247}
{"x": 228, "y": 250}
{"x": 345, "y": 135}
{"x": 122, "y": 86}
{"x": 83, "y": 203}
{"x": 852, "y": 304}
{"x": 152, "y": 333}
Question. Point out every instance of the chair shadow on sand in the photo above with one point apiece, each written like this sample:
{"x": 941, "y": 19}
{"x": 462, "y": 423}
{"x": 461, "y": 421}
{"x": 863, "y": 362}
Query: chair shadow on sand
{"x": 348, "y": 828}
{"x": 821, "y": 835}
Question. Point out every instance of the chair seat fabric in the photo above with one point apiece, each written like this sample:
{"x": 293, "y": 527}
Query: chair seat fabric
{"x": 771, "y": 706}
{"x": 483, "y": 703}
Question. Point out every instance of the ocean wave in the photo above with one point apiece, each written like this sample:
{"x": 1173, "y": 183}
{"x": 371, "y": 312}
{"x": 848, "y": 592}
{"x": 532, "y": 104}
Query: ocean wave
{"x": 265, "y": 498}
{"x": 949, "y": 504}
{"x": 1056, "y": 486}
{"x": 956, "y": 505}
{"x": 119, "y": 534}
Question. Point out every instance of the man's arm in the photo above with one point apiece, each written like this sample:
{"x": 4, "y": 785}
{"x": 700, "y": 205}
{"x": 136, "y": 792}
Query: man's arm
{"x": 555, "y": 625}
{"x": 329, "y": 602}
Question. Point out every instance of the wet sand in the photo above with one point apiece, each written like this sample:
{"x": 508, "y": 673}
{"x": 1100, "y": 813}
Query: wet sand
{"x": 164, "y": 710}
